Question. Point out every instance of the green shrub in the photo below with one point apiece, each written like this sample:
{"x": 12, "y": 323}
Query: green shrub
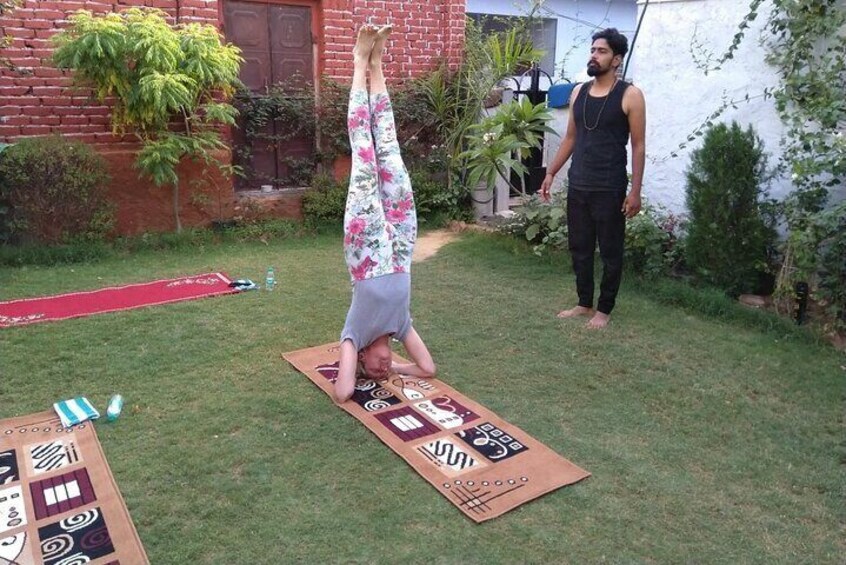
{"x": 54, "y": 191}
{"x": 49, "y": 255}
{"x": 290, "y": 105}
{"x": 326, "y": 201}
{"x": 332, "y": 119}
{"x": 417, "y": 127}
{"x": 653, "y": 246}
{"x": 728, "y": 240}
{"x": 5, "y": 208}
{"x": 152, "y": 73}
{"x": 435, "y": 200}
{"x": 831, "y": 284}
{"x": 497, "y": 144}
{"x": 5, "y": 212}
{"x": 274, "y": 228}
{"x": 191, "y": 238}
{"x": 540, "y": 222}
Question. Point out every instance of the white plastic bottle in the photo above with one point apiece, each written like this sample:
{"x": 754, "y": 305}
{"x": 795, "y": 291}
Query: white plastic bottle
{"x": 270, "y": 279}
{"x": 115, "y": 407}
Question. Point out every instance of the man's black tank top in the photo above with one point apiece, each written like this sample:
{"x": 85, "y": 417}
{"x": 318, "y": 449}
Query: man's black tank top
{"x": 599, "y": 153}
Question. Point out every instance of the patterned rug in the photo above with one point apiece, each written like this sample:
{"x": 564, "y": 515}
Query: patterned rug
{"x": 59, "y": 504}
{"x": 478, "y": 461}
{"x": 112, "y": 299}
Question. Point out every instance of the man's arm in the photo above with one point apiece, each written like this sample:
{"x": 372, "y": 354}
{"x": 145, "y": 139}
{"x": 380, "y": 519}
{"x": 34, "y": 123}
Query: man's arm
{"x": 565, "y": 150}
{"x": 422, "y": 364}
{"x": 347, "y": 367}
{"x": 635, "y": 107}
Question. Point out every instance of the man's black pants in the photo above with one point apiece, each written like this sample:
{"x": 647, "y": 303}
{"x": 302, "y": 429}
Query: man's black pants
{"x": 596, "y": 216}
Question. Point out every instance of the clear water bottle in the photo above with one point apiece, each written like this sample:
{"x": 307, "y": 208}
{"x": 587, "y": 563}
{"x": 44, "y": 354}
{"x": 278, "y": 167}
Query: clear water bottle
{"x": 115, "y": 407}
{"x": 270, "y": 279}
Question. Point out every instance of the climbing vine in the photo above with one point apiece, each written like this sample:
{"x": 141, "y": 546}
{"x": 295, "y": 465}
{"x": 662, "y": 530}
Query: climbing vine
{"x": 808, "y": 48}
{"x": 706, "y": 59}
{"x": 6, "y": 7}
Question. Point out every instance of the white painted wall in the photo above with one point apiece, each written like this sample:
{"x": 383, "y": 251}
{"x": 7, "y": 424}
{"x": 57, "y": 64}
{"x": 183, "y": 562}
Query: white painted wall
{"x": 571, "y": 50}
{"x": 679, "y": 97}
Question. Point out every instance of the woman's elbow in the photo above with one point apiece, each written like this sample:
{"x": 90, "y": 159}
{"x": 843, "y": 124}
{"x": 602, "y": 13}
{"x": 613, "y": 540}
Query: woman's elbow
{"x": 429, "y": 370}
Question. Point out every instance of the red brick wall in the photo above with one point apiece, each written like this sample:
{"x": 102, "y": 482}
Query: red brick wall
{"x": 42, "y": 101}
{"x": 426, "y": 32}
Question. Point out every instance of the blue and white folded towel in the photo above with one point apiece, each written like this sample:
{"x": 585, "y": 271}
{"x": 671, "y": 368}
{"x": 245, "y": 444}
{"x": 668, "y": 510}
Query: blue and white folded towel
{"x": 75, "y": 410}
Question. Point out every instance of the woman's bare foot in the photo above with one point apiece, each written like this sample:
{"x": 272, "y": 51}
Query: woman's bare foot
{"x": 598, "y": 321}
{"x": 364, "y": 44}
{"x": 379, "y": 45}
{"x": 576, "y": 312}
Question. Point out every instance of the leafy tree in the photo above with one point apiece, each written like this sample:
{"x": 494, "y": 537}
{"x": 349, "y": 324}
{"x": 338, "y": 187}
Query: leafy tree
{"x": 728, "y": 239}
{"x": 157, "y": 77}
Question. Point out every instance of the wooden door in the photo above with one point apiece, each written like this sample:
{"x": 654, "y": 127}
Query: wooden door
{"x": 277, "y": 47}
{"x": 291, "y": 60}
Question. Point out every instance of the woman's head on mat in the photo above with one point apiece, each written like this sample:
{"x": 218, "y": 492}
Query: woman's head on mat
{"x": 376, "y": 358}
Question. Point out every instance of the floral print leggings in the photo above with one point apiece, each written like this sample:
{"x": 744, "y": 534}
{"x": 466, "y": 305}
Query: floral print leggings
{"x": 380, "y": 222}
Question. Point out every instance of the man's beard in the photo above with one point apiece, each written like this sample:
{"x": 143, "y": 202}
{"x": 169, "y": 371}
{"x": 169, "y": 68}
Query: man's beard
{"x": 596, "y": 70}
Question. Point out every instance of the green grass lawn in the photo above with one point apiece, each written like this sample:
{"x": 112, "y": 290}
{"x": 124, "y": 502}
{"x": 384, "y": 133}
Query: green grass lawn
{"x": 709, "y": 441}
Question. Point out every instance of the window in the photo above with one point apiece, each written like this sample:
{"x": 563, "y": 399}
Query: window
{"x": 544, "y": 32}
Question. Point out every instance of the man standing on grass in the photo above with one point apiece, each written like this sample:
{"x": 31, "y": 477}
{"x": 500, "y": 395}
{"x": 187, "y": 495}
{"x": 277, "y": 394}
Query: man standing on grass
{"x": 603, "y": 114}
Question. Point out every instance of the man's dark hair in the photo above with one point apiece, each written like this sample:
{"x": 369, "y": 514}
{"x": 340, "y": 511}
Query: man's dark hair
{"x": 616, "y": 41}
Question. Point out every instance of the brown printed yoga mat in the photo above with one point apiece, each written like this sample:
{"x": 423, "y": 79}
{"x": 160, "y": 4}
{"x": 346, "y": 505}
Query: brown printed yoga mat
{"x": 478, "y": 461}
{"x": 59, "y": 503}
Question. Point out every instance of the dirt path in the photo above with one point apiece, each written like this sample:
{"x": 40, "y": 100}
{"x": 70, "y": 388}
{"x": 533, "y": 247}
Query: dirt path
{"x": 428, "y": 244}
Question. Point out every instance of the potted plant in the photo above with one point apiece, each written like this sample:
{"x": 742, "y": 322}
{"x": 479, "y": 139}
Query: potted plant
{"x": 497, "y": 145}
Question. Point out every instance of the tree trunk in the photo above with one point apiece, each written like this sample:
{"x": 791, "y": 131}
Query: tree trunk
{"x": 176, "y": 207}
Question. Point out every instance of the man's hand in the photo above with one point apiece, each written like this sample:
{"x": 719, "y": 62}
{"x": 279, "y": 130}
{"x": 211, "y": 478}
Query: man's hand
{"x": 545, "y": 186}
{"x": 631, "y": 205}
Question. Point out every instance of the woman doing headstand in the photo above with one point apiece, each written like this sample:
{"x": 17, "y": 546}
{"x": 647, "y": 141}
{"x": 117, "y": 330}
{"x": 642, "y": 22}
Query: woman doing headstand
{"x": 380, "y": 226}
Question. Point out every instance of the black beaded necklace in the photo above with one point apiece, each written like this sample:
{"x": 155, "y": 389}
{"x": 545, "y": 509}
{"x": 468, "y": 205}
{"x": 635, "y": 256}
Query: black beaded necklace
{"x": 604, "y": 102}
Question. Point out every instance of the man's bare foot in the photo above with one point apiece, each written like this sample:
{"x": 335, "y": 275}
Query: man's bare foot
{"x": 379, "y": 45}
{"x": 576, "y": 312}
{"x": 364, "y": 44}
{"x": 598, "y": 321}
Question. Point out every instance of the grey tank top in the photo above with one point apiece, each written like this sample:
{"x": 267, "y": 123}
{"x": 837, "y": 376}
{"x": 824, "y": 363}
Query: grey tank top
{"x": 380, "y": 306}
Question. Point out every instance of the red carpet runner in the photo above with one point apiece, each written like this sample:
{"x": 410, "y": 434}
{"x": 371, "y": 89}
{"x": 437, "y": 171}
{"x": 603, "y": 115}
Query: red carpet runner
{"x": 112, "y": 299}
